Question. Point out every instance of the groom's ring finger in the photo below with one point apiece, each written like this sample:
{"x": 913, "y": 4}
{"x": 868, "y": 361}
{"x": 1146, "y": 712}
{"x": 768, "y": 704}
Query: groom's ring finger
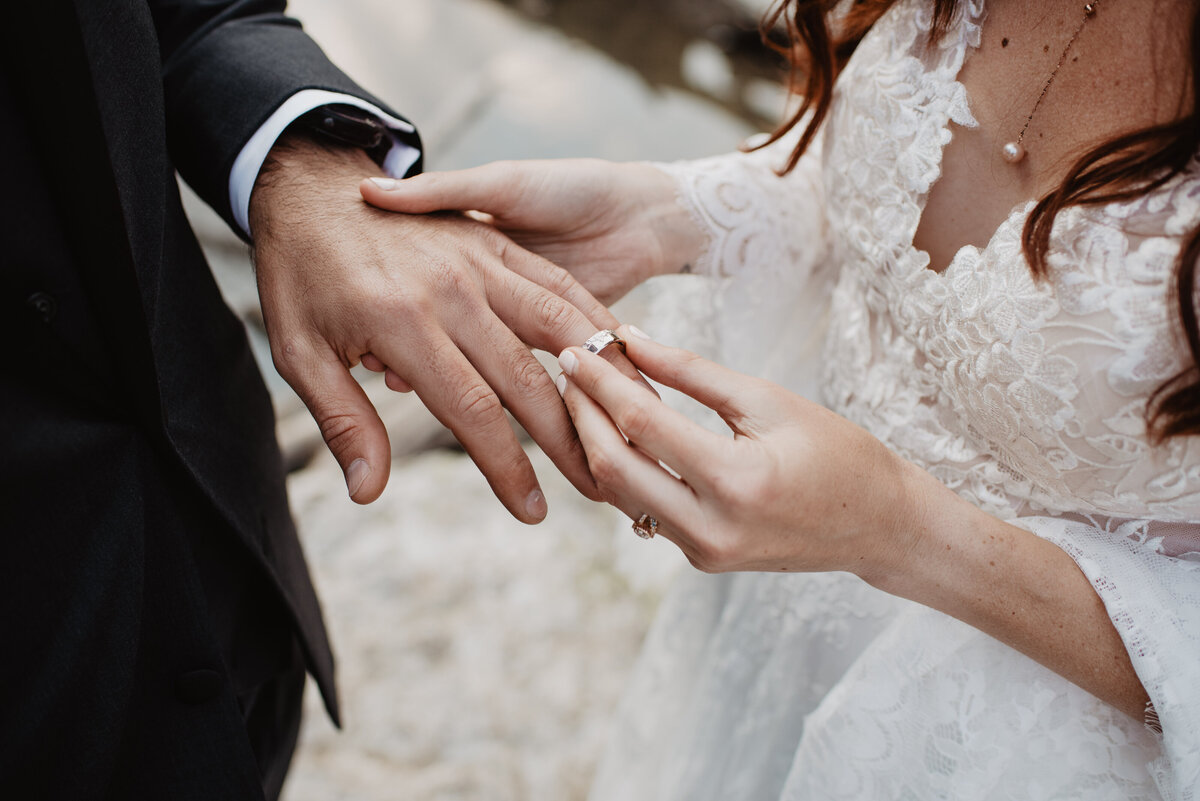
{"x": 600, "y": 340}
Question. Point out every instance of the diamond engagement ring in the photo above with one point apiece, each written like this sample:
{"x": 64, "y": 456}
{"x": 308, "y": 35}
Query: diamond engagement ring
{"x": 602, "y": 339}
{"x": 645, "y": 527}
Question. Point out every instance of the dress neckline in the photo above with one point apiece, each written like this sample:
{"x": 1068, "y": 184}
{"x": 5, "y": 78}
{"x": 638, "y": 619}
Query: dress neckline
{"x": 967, "y": 27}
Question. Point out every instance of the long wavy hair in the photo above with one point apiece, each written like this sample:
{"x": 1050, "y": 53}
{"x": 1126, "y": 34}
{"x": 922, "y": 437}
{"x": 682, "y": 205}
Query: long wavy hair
{"x": 1122, "y": 168}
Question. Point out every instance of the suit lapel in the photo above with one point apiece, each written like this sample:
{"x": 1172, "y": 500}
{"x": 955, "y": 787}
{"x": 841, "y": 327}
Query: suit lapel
{"x": 44, "y": 51}
{"x": 121, "y": 49}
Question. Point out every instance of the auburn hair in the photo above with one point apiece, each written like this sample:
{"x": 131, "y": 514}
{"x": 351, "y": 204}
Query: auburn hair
{"x": 1122, "y": 168}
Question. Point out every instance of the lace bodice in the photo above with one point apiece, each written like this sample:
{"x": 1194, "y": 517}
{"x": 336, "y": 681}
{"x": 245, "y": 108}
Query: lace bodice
{"x": 1026, "y": 397}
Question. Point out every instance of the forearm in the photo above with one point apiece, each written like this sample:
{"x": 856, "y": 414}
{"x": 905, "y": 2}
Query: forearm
{"x": 1013, "y": 585}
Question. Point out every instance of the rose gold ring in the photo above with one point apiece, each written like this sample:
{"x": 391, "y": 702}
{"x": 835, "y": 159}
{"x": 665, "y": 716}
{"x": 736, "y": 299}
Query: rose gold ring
{"x": 645, "y": 527}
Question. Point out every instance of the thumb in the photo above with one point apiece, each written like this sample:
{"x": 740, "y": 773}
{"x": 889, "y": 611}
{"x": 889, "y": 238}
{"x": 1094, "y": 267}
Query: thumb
{"x": 349, "y": 425}
{"x": 475, "y": 189}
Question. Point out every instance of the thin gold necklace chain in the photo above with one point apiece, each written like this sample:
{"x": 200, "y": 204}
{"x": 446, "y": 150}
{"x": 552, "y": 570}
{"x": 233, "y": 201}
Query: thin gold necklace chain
{"x": 1015, "y": 151}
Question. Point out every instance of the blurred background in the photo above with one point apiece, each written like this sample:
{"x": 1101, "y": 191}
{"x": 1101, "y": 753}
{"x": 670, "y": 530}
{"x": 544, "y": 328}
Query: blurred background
{"x": 480, "y": 658}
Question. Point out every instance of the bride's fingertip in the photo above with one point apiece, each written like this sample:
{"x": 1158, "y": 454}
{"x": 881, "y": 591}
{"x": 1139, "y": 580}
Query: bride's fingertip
{"x": 386, "y": 184}
{"x": 634, "y": 331}
{"x": 568, "y": 361}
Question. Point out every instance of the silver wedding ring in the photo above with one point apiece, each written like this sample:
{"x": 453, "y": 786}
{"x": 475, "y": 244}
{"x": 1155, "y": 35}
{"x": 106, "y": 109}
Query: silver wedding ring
{"x": 602, "y": 339}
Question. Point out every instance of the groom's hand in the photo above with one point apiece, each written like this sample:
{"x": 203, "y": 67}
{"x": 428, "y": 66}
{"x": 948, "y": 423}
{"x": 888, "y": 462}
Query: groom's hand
{"x": 446, "y": 303}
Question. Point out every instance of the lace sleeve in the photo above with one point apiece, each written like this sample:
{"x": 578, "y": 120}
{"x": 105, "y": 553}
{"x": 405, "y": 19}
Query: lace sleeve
{"x": 756, "y": 219}
{"x": 768, "y": 240}
{"x": 1154, "y": 602}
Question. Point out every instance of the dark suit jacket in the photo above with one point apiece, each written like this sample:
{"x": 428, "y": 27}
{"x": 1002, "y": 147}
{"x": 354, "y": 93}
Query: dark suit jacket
{"x": 150, "y": 574}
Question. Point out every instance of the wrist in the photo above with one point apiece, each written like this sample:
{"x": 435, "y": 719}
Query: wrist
{"x": 681, "y": 241}
{"x": 947, "y": 548}
{"x": 918, "y": 547}
{"x": 300, "y": 168}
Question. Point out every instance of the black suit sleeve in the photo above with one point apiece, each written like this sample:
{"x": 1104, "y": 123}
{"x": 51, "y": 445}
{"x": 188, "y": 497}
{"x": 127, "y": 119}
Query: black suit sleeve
{"x": 227, "y": 65}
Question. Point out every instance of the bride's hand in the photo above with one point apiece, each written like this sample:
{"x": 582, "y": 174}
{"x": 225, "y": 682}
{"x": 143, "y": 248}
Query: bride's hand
{"x": 610, "y": 225}
{"x": 797, "y": 487}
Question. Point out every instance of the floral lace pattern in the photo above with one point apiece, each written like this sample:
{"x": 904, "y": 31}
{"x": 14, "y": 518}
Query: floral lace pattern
{"x": 1025, "y": 397}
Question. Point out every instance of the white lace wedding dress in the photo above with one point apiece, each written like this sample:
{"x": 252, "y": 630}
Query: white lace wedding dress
{"x": 1025, "y": 397}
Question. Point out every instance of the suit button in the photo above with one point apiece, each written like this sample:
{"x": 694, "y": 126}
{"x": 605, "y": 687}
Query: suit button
{"x": 43, "y": 304}
{"x": 198, "y": 686}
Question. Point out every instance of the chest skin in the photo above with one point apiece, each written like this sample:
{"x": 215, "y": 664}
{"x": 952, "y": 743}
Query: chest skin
{"x": 1127, "y": 69}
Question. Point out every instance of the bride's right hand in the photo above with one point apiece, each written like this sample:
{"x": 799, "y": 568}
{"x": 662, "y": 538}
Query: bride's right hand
{"x": 610, "y": 225}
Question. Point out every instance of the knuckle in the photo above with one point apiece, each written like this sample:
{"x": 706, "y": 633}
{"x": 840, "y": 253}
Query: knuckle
{"x": 553, "y": 315}
{"x": 726, "y": 484}
{"x": 448, "y": 277}
{"x": 514, "y": 467}
{"x": 635, "y": 418}
{"x": 410, "y": 304}
{"x": 558, "y": 280}
{"x": 605, "y": 470}
{"x": 606, "y": 495}
{"x": 529, "y": 377}
{"x": 477, "y": 404}
{"x": 288, "y": 354}
{"x": 738, "y": 485}
{"x": 713, "y": 556}
{"x": 495, "y": 243}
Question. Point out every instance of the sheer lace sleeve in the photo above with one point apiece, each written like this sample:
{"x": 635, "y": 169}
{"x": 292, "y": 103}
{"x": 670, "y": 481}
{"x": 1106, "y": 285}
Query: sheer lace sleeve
{"x": 768, "y": 254}
{"x": 1154, "y": 602}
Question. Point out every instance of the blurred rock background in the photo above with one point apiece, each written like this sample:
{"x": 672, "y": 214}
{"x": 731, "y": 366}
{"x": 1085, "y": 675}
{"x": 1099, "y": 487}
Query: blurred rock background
{"x": 480, "y": 658}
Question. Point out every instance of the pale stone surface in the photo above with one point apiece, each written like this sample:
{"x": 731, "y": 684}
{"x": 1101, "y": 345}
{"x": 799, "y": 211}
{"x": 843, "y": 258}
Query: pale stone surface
{"x": 479, "y": 658}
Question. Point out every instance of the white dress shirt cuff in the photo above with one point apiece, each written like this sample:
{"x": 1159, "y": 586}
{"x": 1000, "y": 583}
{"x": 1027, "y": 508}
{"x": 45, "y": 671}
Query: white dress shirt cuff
{"x": 250, "y": 160}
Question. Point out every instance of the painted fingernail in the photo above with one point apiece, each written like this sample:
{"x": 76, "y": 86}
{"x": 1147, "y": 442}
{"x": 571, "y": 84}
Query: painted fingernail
{"x": 356, "y": 475}
{"x": 568, "y": 361}
{"x": 385, "y": 184}
{"x": 535, "y": 505}
{"x": 637, "y": 332}
{"x": 560, "y": 384}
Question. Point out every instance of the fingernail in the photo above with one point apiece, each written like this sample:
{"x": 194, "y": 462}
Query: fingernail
{"x": 560, "y": 384}
{"x": 568, "y": 362}
{"x": 535, "y": 505}
{"x": 356, "y": 474}
{"x": 385, "y": 184}
{"x": 637, "y": 332}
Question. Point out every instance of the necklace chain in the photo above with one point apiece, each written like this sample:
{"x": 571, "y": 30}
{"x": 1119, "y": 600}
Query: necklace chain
{"x": 1013, "y": 152}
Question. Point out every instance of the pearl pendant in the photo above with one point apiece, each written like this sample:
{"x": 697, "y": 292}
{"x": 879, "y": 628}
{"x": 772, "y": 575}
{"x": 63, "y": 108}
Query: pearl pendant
{"x": 1012, "y": 152}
